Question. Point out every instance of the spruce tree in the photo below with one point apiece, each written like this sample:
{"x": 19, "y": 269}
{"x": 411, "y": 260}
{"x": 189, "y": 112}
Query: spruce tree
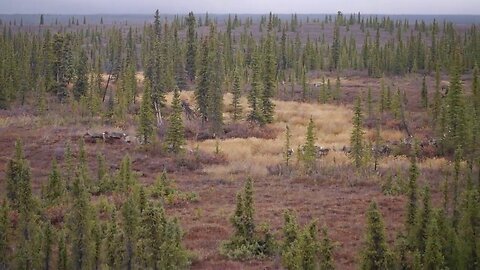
{"x": 191, "y": 47}
{"x": 5, "y": 234}
{"x": 287, "y": 152}
{"x": 337, "y": 91}
{"x": 412, "y": 206}
{"x": 160, "y": 241}
{"x": 290, "y": 230}
{"x": 62, "y": 263}
{"x": 81, "y": 83}
{"x": 55, "y": 189}
{"x": 26, "y": 255}
{"x": 375, "y": 254}
{"x": 47, "y": 244}
{"x": 126, "y": 178}
{"x": 245, "y": 243}
{"x": 476, "y": 89}
{"x": 18, "y": 180}
{"x": 80, "y": 226}
{"x": 424, "y": 93}
{"x": 269, "y": 80}
{"x": 469, "y": 229}
{"x": 335, "y": 54}
{"x": 215, "y": 106}
{"x": 97, "y": 236}
{"x": 130, "y": 215}
{"x": 237, "y": 94}
{"x": 146, "y": 118}
{"x": 303, "y": 253}
{"x": 175, "y": 138}
{"x": 255, "y": 114}
{"x": 114, "y": 244}
{"x": 309, "y": 156}
{"x": 423, "y": 221}
{"x": 433, "y": 258}
{"x": 326, "y": 251}
{"x": 456, "y": 132}
{"x": 356, "y": 138}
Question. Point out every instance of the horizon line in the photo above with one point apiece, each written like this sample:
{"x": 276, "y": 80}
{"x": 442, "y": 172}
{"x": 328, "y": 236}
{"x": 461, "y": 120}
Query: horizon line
{"x": 249, "y": 13}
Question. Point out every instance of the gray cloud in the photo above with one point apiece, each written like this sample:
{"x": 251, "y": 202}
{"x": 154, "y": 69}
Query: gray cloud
{"x": 241, "y": 6}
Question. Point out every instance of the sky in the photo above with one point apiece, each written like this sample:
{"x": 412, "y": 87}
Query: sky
{"x": 471, "y": 7}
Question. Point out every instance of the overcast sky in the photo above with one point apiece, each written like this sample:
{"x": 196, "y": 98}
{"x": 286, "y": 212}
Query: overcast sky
{"x": 471, "y": 7}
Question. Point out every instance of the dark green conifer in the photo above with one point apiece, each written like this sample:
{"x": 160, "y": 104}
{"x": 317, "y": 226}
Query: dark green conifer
{"x": 412, "y": 206}
{"x": 356, "y": 139}
{"x": 81, "y": 83}
{"x": 130, "y": 214}
{"x": 433, "y": 258}
{"x": 55, "y": 189}
{"x": 269, "y": 80}
{"x": 237, "y": 94}
{"x": 326, "y": 251}
{"x": 309, "y": 155}
{"x": 424, "y": 93}
{"x": 80, "y": 223}
{"x": 5, "y": 234}
{"x": 146, "y": 118}
{"x": 175, "y": 138}
{"x": 375, "y": 254}
{"x": 191, "y": 47}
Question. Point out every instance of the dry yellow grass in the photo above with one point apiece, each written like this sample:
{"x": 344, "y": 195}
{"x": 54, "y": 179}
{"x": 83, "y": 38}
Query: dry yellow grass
{"x": 252, "y": 156}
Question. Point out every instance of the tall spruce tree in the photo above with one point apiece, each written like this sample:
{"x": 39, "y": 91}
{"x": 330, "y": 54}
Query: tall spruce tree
{"x": 160, "y": 241}
{"x": 269, "y": 79}
{"x": 175, "y": 138}
{"x": 287, "y": 151}
{"x": 424, "y": 217}
{"x": 433, "y": 258}
{"x": 191, "y": 47}
{"x": 18, "y": 180}
{"x": 131, "y": 215}
{"x": 309, "y": 155}
{"x": 424, "y": 93}
{"x": 47, "y": 244}
{"x": 5, "y": 234}
{"x": 146, "y": 119}
{"x": 356, "y": 138}
{"x": 412, "y": 204}
{"x": 18, "y": 176}
{"x": 80, "y": 223}
{"x": 255, "y": 114}
{"x": 81, "y": 83}
{"x": 456, "y": 132}
{"x": 237, "y": 94}
{"x": 375, "y": 254}
{"x": 326, "y": 251}
{"x": 215, "y": 106}
{"x": 55, "y": 188}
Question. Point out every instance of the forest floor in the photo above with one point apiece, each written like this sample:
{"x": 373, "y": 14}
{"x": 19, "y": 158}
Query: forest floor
{"x": 337, "y": 197}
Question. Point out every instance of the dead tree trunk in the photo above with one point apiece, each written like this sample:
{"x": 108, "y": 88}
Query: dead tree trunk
{"x": 106, "y": 87}
{"x": 158, "y": 114}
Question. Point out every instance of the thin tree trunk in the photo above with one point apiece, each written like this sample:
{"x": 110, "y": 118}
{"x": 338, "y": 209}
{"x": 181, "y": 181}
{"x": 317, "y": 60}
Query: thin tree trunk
{"x": 106, "y": 87}
{"x": 158, "y": 115}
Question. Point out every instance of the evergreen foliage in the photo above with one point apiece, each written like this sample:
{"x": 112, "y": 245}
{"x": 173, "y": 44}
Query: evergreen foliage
{"x": 376, "y": 253}
{"x": 356, "y": 139}
{"x": 175, "y": 138}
